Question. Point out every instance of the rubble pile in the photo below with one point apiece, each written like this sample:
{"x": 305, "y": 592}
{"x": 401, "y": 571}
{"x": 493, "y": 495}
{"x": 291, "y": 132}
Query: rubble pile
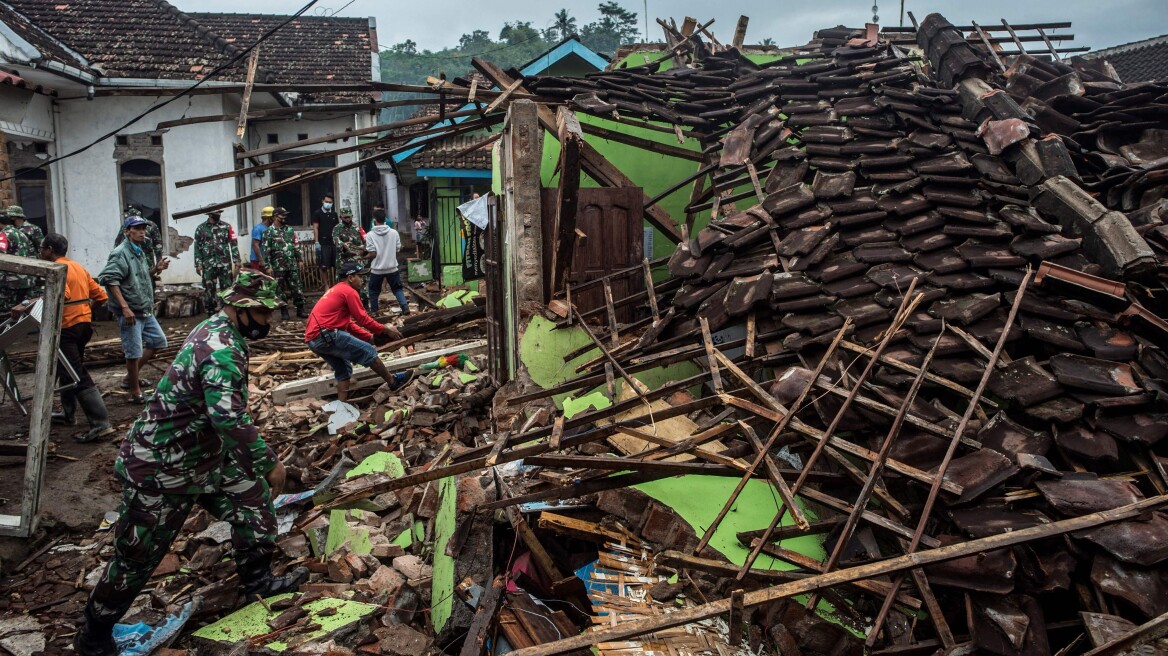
{"x": 911, "y": 208}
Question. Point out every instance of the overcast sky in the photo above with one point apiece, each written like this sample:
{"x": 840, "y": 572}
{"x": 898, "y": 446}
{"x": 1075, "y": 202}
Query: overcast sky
{"x": 435, "y": 24}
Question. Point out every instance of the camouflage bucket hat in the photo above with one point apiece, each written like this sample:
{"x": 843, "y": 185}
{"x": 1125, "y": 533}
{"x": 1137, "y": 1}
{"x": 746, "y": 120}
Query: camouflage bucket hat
{"x": 253, "y": 289}
{"x": 15, "y": 211}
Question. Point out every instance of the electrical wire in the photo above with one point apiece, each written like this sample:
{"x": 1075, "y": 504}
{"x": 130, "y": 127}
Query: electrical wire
{"x": 185, "y": 92}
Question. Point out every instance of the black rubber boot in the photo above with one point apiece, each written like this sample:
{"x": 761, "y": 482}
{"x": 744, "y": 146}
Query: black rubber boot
{"x": 95, "y": 411}
{"x": 255, "y": 573}
{"x": 283, "y": 314}
{"x": 95, "y": 637}
{"x": 68, "y": 414}
{"x": 300, "y": 313}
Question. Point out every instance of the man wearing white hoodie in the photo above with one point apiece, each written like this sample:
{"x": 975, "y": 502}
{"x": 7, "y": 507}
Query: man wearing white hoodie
{"x": 381, "y": 245}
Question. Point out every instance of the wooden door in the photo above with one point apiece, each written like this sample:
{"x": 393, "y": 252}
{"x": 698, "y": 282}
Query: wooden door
{"x": 610, "y": 219}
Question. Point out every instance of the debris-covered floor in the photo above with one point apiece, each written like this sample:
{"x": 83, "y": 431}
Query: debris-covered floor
{"x": 904, "y": 394}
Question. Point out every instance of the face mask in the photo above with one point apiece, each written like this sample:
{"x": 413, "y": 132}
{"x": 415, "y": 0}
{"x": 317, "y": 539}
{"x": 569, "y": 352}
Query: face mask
{"x": 327, "y": 207}
{"x": 249, "y": 329}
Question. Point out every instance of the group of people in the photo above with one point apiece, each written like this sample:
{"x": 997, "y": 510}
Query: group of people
{"x": 194, "y": 442}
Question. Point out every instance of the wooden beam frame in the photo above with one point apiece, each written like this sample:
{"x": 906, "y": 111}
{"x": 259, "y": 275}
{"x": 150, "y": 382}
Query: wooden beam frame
{"x": 49, "y": 340}
{"x": 567, "y": 198}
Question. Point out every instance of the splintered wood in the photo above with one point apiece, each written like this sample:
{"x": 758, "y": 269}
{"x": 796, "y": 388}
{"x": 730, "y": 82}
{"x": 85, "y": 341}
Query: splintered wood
{"x": 619, "y": 588}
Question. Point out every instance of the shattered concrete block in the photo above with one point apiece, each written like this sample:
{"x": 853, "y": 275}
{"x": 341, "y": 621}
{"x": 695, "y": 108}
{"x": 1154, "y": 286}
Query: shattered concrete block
{"x": 662, "y": 525}
{"x": 628, "y": 504}
{"x": 401, "y": 640}
{"x": 385, "y": 579}
{"x": 470, "y": 494}
{"x": 412, "y": 567}
{"x": 387, "y": 551}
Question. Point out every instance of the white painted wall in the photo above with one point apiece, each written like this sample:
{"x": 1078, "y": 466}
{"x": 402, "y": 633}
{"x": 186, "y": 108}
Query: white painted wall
{"x": 90, "y": 212}
{"x": 89, "y": 197}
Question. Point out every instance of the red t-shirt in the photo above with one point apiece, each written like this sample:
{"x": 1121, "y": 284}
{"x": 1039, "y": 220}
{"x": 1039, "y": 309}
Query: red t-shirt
{"x": 340, "y": 309}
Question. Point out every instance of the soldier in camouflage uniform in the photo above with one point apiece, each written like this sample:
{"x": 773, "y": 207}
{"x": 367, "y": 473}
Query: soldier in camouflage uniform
{"x": 195, "y": 443}
{"x": 349, "y": 241}
{"x": 282, "y": 256}
{"x": 14, "y": 289}
{"x": 153, "y": 245}
{"x": 31, "y": 230}
{"x": 216, "y": 258}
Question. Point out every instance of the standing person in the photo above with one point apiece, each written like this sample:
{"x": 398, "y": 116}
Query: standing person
{"x": 216, "y": 258}
{"x": 76, "y": 330}
{"x": 30, "y": 230}
{"x": 129, "y": 280}
{"x": 323, "y": 222}
{"x": 349, "y": 240}
{"x": 339, "y": 330}
{"x": 153, "y": 243}
{"x": 14, "y": 288}
{"x": 195, "y": 443}
{"x": 282, "y": 255}
{"x": 257, "y": 239}
{"x": 381, "y": 246}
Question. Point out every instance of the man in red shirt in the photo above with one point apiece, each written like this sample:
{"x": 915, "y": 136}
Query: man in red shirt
{"x": 340, "y": 331}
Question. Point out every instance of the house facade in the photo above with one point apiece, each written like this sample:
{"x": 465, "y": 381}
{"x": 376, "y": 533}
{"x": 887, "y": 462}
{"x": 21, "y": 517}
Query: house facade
{"x": 81, "y": 84}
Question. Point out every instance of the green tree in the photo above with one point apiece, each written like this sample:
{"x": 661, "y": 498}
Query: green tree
{"x": 564, "y": 25}
{"x": 518, "y": 33}
{"x": 615, "y": 27}
{"x": 475, "y": 41}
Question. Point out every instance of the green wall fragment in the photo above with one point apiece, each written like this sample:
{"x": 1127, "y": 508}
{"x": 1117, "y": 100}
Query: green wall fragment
{"x": 442, "y": 585}
{"x": 252, "y": 620}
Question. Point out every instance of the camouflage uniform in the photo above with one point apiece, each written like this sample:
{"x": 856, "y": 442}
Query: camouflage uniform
{"x": 34, "y": 234}
{"x": 14, "y": 288}
{"x": 282, "y": 256}
{"x": 193, "y": 443}
{"x": 153, "y": 244}
{"x": 350, "y": 245}
{"x": 216, "y": 257}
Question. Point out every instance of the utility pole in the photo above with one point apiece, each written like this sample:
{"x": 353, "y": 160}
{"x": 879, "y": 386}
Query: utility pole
{"x": 647, "y": 21}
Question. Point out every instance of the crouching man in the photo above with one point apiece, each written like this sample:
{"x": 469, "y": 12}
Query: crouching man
{"x": 340, "y": 331}
{"x": 195, "y": 443}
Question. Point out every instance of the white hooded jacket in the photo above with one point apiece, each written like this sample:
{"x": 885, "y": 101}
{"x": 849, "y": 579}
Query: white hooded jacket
{"x": 385, "y": 242}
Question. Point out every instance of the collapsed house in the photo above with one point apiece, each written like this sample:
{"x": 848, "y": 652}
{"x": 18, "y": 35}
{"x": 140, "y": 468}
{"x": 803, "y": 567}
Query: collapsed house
{"x": 904, "y": 392}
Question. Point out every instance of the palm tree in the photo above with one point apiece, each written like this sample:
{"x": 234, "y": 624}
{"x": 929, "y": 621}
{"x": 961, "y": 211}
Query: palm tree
{"x": 564, "y": 24}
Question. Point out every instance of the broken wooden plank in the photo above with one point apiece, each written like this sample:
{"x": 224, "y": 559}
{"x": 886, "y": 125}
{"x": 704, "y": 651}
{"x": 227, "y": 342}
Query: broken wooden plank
{"x": 862, "y": 572}
{"x": 567, "y": 197}
{"x": 484, "y": 617}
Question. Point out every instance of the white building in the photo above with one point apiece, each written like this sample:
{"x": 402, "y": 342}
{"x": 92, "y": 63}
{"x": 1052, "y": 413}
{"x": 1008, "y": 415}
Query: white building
{"x": 75, "y": 71}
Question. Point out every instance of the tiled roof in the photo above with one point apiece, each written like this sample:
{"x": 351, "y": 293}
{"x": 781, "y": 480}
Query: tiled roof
{"x": 444, "y": 154}
{"x": 51, "y": 49}
{"x": 1140, "y": 61}
{"x": 152, "y": 39}
{"x": 310, "y": 49}
{"x": 132, "y": 38}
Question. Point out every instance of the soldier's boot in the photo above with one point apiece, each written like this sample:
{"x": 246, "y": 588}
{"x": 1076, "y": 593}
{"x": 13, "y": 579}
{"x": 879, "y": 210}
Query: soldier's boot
{"x": 95, "y": 411}
{"x": 95, "y": 636}
{"x": 283, "y": 314}
{"x": 300, "y": 313}
{"x": 255, "y": 572}
{"x": 68, "y": 414}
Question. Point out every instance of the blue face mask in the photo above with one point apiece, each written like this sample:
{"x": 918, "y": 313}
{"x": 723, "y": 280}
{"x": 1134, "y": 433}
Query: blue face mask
{"x": 327, "y": 207}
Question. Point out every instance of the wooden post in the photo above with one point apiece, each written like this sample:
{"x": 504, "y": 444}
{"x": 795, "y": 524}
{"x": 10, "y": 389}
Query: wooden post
{"x": 252, "y": 62}
{"x": 740, "y": 31}
{"x": 42, "y": 399}
{"x": 522, "y": 211}
{"x": 567, "y": 197}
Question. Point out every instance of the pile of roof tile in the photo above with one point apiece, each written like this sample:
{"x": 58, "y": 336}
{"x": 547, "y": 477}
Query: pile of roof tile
{"x": 880, "y": 171}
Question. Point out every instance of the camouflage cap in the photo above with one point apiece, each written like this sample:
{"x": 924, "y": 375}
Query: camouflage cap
{"x": 253, "y": 289}
{"x": 345, "y": 211}
{"x": 133, "y": 211}
{"x": 15, "y": 211}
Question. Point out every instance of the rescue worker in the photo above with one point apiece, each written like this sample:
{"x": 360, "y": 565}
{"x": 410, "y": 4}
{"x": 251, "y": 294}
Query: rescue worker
{"x": 216, "y": 257}
{"x": 76, "y": 330}
{"x": 340, "y": 331}
{"x": 195, "y": 443}
{"x": 30, "y": 230}
{"x": 282, "y": 255}
{"x": 256, "y": 260}
{"x": 152, "y": 246}
{"x": 14, "y": 288}
{"x": 349, "y": 241}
